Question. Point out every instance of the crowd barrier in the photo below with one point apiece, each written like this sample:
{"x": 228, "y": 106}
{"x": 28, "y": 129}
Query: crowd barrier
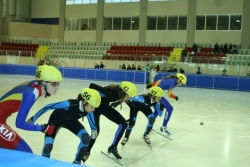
{"x": 139, "y": 77}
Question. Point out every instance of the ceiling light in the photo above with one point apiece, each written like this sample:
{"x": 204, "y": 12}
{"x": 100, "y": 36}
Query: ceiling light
{"x": 238, "y": 21}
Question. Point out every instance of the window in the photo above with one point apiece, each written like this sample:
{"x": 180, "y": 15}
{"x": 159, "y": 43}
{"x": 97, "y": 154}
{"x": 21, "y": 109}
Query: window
{"x": 76, "y": 2}
{"x": 67, "y": 24}
{"x": 126, "y": 23}
{"x": 172, "y": 22}
{"x": 75, "y": 24}
{"x": 235, "y": 22}
{"x": 151, "y": 23}
{"x": 162, "y": 22}
{"x": 92, "y": 23}
{"x": 200, "y": 22}
{"x": 107, "y": 23}
{"x": 135, "y": 23}
{"x": 84, "y": 24}
{"x": 223, "y": 22}
{"x": 182, "y": 23}
{"x": 117, "y": 23}
{"x": 211, "y": 22}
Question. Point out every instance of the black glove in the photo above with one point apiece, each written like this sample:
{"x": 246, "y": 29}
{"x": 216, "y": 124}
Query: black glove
{"x": 176, "y": 98}
{"x": 115, "y": 104}
{"x": 131, "y": 121}
{"x": 49, "y": 129}
{"x": 162, "y": 106}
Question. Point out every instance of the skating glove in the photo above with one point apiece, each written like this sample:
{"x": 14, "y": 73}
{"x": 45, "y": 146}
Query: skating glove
{"x": 48, "y": 129}
{"x": 115, "y": 104}
{"x": 94, "y": 134}
{"x": 30, "y": 120}
{"x": 139, "y": 99}
{"x": 162, "y": 106}
{"x": 176, "y": 98}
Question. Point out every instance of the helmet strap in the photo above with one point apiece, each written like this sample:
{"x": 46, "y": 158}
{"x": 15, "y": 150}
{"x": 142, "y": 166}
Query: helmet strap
{"x": 45, "y": 88}
{"x": 83, "y": 108}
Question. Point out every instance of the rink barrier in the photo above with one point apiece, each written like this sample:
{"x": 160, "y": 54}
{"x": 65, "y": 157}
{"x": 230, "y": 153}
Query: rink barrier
{"x": 140, "y": 77}
{"x": 82, "y": 73}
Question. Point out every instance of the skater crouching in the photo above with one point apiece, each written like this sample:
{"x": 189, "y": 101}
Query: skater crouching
{"x": 112, "y": 93}
{"x": 66, "y": 115}
{"x": 143, "y": 103}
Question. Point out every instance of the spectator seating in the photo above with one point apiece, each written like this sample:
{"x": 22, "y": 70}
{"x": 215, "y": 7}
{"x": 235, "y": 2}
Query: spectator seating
{"x": 9, "y": 48}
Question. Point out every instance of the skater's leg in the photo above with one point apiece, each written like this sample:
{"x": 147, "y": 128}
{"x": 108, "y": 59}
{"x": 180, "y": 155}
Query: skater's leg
{"x": 168, "y": 113}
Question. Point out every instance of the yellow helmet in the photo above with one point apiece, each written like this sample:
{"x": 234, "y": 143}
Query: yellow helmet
{"x": 156, "y": 91}
{"x": 48, "y": 73}
{"x": 182, "y": 78}
{"x": 91, "y": 96}
{"x": 129, "y": 88}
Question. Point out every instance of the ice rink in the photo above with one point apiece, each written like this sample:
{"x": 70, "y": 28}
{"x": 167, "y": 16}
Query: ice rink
{"x": 223, "y": 140}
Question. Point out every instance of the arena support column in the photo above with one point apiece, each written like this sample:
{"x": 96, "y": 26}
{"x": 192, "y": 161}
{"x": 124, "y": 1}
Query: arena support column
{"x": 245, "y": 33}
{"x": 62, "y": 5}
{"x": 99, "y": 22}
{"x": 191, "y": 15}
{"x": 143, "y": 22}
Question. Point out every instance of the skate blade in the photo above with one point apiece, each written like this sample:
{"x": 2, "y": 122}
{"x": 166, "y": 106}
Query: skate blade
{"x": 164, "y": 135}
{"x": 147, "y": 143}
{"x": 113, "y": 158}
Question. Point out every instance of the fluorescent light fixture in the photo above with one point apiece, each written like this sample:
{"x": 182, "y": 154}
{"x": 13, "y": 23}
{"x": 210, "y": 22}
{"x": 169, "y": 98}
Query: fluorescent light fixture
{"x": 132, "y": 21}
{"x": 237, "y": 20}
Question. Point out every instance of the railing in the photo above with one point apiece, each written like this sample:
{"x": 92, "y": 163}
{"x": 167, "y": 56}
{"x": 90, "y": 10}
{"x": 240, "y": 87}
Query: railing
{"x": 209, "y": 65}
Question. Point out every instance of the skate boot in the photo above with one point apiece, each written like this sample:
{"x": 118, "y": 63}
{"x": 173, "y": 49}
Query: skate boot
{"x": 146, "y": 139}
{"x": 124, "y": 141}
{"x": 76, "y": 162}
{"x": 152, "y": 132}
{"x": 164, "y": 129}
{"x": 113, "y": 150}
{"x": 85, "y": 156}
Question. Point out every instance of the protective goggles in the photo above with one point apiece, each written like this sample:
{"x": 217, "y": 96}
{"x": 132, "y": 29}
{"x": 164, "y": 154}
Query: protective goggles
{"x": 54, "y": 84}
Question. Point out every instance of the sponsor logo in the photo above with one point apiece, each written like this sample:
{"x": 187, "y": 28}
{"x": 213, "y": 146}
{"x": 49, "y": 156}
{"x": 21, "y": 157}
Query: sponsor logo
{"x": 6, "y": 133}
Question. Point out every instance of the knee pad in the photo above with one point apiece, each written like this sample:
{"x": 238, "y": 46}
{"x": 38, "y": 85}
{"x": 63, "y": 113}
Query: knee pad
{"x": 85, "y": 138}
{"x": 151, "y": 120}
{"x": 47, "y": 148}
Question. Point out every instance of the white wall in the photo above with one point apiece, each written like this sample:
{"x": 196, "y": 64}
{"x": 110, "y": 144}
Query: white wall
{"x": 219, "y": 6}
{"x": 121, "y": 9}
{"x": 81, "y": 11}
{"x": 166, "y": 37}
{"x": 45, "y": 9}
{"x": 167, "y": 8}
{"x": 121, "y": 36}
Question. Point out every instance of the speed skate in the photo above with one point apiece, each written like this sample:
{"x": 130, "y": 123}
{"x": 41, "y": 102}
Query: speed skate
{"x": 113, "y": 158}
{"x": 164, "y": 135}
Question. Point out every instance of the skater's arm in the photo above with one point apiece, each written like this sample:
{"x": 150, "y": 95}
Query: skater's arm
{"x": 58, "y": 105}
{"x": 28, "y": 99}
{"x": 170, "y": 94}
{"x": 91, "y": 120}
{"x": 99, "y": 88}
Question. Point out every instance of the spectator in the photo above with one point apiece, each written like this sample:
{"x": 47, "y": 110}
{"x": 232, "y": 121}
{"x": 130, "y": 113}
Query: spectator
{"x": 248, "y": 74}
{"x": 195, "y": 48}
{"x": 235, "y": 49}
{"x": 101, "y": 65}
{"x": 164, "y": 69}
{"x": 147, "y": 67}
{"x": 129, "y": 68}
{"x": 139, "y": 68}
{"x": 182, "y": 71}
{"x": 133, "y": 67}
{"x": 224, "y": 72}
{"x": 230, "y": 48}
{"x": 124, "y": 67}
{"x": 170, "y": 69}
{"x": 216, "y": 48}
{"x": 225, "y": 50}
{"x": 157, "y": 68}
{"x": 199, "y": 50}
{"x": 199, "y": 71}
{"x": 120, "y": 67}
{"x": 97, "y": 66}
{"x": 183, "y": 52}
{"x": 175, "y": 69}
